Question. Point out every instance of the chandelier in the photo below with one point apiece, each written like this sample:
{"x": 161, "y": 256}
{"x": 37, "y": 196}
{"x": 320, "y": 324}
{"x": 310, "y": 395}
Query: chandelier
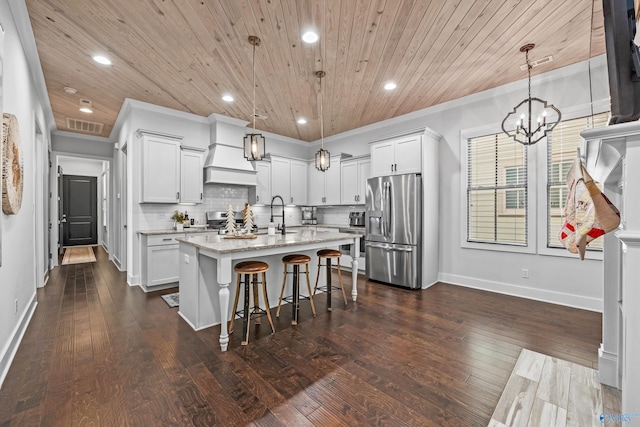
{"x": 254, "y": 146}
{"x": 528, "y": 130}
{"x": 323, "y": 157}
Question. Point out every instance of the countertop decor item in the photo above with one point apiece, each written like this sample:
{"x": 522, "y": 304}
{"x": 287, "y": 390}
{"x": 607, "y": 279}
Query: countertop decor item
{"x": 254, "y": 146}
{"x": 528, "y": 130}
{"x": 12, "y": 165}
{"x": 247, "y": 215}
{"x": 231, "y": 220}
{"x": 178, "y": 218}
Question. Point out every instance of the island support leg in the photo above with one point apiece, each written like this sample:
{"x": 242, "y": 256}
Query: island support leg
{"x": 224, "y": 279}
{"x": 354, "y": 269}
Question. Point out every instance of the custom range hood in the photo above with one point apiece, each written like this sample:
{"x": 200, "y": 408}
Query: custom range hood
{"x": 225, "y": 162}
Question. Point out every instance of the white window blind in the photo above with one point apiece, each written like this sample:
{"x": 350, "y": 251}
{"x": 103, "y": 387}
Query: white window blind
{"x": 496, "y": 190}
{"x": 562, "y": 149}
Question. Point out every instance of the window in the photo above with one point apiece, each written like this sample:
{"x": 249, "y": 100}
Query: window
{"x": 497, "y": 207}
{"x": 562, "y": 149}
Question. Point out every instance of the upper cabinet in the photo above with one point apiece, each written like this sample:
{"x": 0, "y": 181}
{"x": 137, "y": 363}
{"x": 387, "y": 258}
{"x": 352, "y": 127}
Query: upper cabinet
{"x": 160, "y": 169}
{"x": 354, "y": 180}
{"x": 324, "y": 187}
{"x": 191, "y": 175}
{"x": 170, "y": 173}
{"x": 396, "y": 156}
{"x": 263, "y": 187}
{"x": 289, "y": 180}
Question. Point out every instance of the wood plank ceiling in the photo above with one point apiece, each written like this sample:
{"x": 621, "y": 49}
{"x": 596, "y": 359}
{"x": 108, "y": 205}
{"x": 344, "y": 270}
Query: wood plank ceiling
{"x": 185, "y": 54}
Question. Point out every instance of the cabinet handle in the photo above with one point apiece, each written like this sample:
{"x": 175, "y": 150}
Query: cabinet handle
{"x": 291, "y": 199}
{"x": 166, "y": 239}
{"x": 200, "y": 196}
{"x": 391, "y": 167}
{"x": 178, "y": 195}
{"x": 257, "y": 198}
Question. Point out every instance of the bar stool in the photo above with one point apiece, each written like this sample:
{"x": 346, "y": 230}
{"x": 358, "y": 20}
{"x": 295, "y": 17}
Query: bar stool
{"x": 296, "y": 260}
{"x": 329, "y": 254}
{"x": 250, "y": 270}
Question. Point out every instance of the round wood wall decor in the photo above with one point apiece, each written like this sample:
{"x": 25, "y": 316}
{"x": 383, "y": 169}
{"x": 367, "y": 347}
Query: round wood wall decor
{"x": 12, "y": 166}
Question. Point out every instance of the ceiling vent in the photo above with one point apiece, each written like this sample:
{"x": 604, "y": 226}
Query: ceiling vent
{"x": 537, "y": 62}
{"x": 84, "y": 126}
{"x": 260, "y": 117}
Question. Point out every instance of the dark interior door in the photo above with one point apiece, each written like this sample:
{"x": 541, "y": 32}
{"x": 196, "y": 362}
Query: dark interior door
{"x": 80, "y": 210}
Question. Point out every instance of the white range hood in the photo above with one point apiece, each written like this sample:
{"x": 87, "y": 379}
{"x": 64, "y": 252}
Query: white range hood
{"x": 225, "y": 162}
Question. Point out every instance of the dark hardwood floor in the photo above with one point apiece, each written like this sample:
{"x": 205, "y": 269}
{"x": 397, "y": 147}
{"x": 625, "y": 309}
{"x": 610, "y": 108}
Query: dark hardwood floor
{"x": 98, "y": 352}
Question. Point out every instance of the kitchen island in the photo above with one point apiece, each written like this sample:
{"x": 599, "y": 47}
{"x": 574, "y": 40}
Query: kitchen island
{"x": 206, "y": 270}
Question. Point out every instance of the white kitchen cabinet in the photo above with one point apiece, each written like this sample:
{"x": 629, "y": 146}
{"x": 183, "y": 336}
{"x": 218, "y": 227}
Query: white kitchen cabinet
{"x": 263, "y": 187}
{"x": 191, "y": 175}
{"x": 160, "y": 169}
{"x": 160, "y": 261}
{"x": 396, "y": 156}
{"x": 289, "y": 180}
{"x": 354, "y": 180}
{"x": 324, "y": 187}
{"x": 170, "y": 173}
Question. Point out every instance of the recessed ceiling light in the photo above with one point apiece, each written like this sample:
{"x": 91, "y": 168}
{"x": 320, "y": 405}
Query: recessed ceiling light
{"x": 390, "y": 86}
{"x": 102, "y": 60}
{"x": 227, "y": 98}
{"x": 86, "y": 110}
{"x": 302, "y": 121}
{"x": 310, "y": 37}
{"x": 70, "y": 90}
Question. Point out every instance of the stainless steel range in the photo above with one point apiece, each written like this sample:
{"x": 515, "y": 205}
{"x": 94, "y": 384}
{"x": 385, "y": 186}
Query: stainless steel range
{"x": 218, "y": 220}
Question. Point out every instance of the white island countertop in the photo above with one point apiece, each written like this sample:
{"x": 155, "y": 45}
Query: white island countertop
{"x": 206, "y": 270}
{"x": 221, "y": 245}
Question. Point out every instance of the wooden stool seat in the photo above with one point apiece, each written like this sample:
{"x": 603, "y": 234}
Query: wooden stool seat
{"x": 251, "y": 267}
{"x": 250, "y": 270}
{"x": 296, "y": 260}
{"x": 328, "y": 255}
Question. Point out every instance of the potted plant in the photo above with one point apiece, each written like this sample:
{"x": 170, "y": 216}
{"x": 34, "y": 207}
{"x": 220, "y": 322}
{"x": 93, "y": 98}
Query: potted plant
{"x": 178, "y": 218}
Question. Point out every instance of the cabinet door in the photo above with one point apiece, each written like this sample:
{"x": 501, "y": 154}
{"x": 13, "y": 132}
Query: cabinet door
{"x": 364, "y": 173}
{"x": 280, "y": 177}
{"x": 162, "y": 264}
{"x": 160, "y": 170}
{"x": 332, "y": 182}
{"x": 263, "y": 190}
{"x": 191, "y": 176}
{"x": 349, "y": 182}
{"x": 315, "y": 195}
{"x": 298, "y": 181}
{"x": 408, "y": 157}
{"x": 382, "y": 159}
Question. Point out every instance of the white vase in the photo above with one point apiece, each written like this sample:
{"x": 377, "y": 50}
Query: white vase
{"x": 179, "y": 226}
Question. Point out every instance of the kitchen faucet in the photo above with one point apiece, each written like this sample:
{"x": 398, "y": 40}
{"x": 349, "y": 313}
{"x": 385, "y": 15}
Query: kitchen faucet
{"x": 272, "y": 215}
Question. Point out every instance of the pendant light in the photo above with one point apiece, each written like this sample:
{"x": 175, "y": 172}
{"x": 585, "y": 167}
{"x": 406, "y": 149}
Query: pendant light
{"x": 527, "y": 130}
{"x": 323, "y": 157}
{"x": 254, "y": 144}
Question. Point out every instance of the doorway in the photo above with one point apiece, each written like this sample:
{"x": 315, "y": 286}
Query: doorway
{"x": 80, "y": 210}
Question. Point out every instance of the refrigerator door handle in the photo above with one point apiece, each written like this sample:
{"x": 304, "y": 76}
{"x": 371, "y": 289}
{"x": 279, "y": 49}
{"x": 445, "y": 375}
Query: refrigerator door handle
{"x": 389, "y": 247}
{"x": 387, "y": 215}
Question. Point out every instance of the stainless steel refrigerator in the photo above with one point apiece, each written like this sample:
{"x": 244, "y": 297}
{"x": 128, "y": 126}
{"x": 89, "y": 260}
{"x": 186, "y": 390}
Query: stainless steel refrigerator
{"x": 393, "y": 238}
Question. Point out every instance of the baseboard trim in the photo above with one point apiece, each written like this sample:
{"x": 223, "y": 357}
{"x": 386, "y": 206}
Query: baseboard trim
{"x": 133, "y": 280}
{"x": 608, "y": 368}
{"x": 568, "y": 300}
{"x": 11, "y": 348}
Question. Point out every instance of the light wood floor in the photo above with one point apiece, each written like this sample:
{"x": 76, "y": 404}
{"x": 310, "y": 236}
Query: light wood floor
{"x": 551, "y": 392}
{"x": 98, "y": 352}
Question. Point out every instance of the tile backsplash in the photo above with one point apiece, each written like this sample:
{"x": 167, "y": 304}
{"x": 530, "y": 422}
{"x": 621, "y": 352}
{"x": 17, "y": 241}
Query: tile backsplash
{"x": 217, "y": 197}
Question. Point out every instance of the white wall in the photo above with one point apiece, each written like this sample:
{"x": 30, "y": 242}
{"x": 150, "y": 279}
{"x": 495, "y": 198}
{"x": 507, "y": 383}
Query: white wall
{"x": 556, "y": 279}
{"x": 24, "y": 99}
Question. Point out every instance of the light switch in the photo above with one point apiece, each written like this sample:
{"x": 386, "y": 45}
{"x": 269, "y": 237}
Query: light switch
{"x": 186, "y": 259}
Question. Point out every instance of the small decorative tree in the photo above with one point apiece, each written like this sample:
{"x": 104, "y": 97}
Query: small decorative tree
{"x": 231, "y": 220}
{"x": 248, "y": 218}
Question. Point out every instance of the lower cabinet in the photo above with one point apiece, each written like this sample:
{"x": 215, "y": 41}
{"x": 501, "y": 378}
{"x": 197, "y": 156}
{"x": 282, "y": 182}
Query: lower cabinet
{"x": 160, "y": 261}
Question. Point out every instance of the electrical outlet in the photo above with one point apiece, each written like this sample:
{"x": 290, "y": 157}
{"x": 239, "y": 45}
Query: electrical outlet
{"x": 525, "y": 273}
{"x": 16, "y": 307}
{"x": 186, "y": 259}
